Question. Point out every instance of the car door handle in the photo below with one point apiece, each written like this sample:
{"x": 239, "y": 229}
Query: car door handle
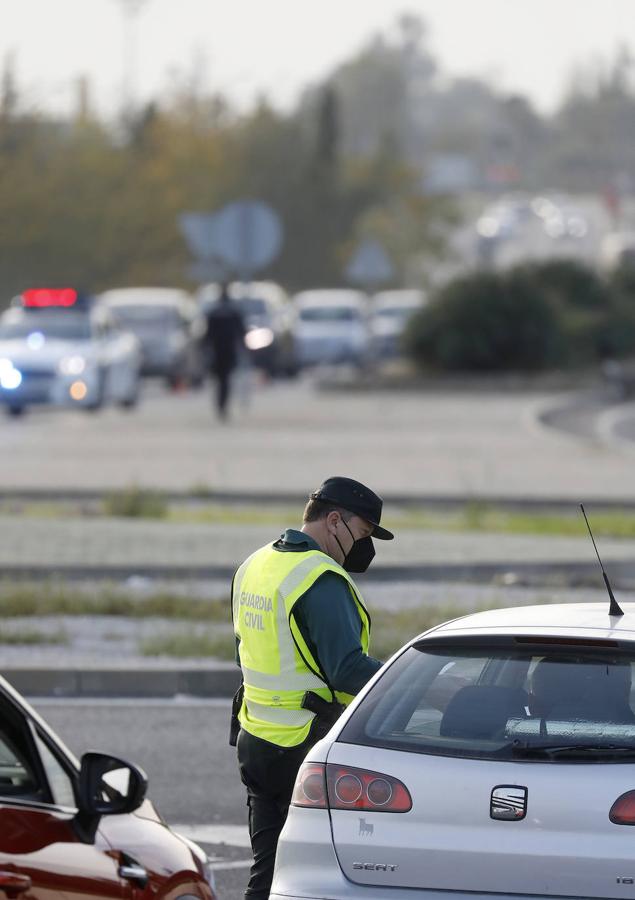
{"x": 13, "y": 884}
{"x": 134, "y": 872}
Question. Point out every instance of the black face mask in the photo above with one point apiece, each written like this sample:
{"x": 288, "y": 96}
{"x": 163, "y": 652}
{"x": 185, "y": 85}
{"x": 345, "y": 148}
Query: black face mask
{"x": 361, "y": 554}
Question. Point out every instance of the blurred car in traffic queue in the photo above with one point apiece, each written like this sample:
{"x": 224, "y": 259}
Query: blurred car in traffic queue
{"x": 331, "y": 326}
{"x": 493, "y": 756}
{"x": 72, "y": 828}
{"x": 57, "y": 349}
{"x": 266, "y": 312}
{"x": 168, "y": 326}
{"x": 391, "y": 311}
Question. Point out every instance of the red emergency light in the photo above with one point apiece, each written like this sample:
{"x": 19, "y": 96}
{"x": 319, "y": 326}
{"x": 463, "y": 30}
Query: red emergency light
{"x": 49, "y": 297}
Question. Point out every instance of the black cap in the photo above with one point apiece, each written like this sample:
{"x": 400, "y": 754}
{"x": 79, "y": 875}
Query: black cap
{"x": 356, "y": 498}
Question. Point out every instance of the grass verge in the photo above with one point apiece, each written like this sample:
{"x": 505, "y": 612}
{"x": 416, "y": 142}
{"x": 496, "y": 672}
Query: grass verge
{"x": 390, "y": 631}
{"x": 32, "y": 636}
{"x": 473, "y": 516}
{"x": 45, "y": 599}
{"x": 136, "y": 502}
{"x": 190, "y": 644}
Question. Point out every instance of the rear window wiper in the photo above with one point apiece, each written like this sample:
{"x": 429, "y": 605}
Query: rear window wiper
{"x": 570, "y": 750}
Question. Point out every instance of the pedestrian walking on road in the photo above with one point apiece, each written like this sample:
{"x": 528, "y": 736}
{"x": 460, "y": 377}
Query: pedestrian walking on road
{"x": 302, "y": 639}
{"x": 224, "y": 338}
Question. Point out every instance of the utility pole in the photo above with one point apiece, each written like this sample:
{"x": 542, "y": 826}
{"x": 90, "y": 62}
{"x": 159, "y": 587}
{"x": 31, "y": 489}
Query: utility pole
{"x": 130, "y": 10}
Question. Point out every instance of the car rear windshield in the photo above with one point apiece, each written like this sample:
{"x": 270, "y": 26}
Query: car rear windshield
{"x": 395, "y": 312}
{"x": 329, "y": 314}
{"x": 513, "y": 699}
{"x": 252, "y": 306}
{"x": 163, "y": 316}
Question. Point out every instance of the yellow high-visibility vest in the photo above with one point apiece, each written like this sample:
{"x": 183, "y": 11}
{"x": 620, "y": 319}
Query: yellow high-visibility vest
{"x": 277, "y": 665}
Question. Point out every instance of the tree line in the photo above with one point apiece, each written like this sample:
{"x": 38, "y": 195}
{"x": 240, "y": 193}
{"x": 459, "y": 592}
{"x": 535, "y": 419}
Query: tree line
{"x": 96, "y": 203}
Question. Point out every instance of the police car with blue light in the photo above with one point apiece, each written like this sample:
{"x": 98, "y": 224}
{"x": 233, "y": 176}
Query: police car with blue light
{"x": 56, "y": 349}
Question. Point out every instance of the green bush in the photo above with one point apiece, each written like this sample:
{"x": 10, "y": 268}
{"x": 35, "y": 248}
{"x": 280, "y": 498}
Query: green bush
{"x": 533, "y": 316}
{"x": 136, "y": 502}
{"x": 582, "y": 302}
{"x": 569, "y": 284}
{"x": 618, "y": 334}
{"x": 486, "y": 322}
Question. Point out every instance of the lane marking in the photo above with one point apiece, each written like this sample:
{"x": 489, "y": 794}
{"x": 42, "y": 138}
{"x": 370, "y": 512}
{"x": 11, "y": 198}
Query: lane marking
{"x": 231, "y": 864}
{"x": 180, "y": 700}
{"x": 233, "y": 835}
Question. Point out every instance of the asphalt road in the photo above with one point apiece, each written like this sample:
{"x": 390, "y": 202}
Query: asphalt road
{"x": 288, "y": 436}
{"x": 193, "y": 778}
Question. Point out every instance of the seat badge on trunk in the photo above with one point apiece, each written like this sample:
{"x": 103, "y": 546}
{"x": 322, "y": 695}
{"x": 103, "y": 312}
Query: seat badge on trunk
{"x": 508, "y": 803}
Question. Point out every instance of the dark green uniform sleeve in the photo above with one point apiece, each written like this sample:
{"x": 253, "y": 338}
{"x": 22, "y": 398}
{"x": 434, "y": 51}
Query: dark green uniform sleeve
{"x": 330, "y": 624}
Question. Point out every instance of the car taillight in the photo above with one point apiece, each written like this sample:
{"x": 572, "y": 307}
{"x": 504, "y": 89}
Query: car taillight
{"x": 345, "y": 787}
{"x": 623, "y": 810}
{"x": 310, "y": 786}
{"x": 361, "y": 789}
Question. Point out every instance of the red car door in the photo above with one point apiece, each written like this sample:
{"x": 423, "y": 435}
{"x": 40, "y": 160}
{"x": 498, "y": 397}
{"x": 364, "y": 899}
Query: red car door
{"x": 42, "y": 859}
{"x": 41, "y": 854}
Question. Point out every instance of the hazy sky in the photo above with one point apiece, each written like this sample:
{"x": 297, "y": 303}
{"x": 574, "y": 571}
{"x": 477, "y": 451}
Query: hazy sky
{"x": 243, "y": 47}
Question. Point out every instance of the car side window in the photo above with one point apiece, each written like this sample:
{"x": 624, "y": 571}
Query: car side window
{"x": 59, "y": 782}
{"x": 18, "y": 772}
{"x": 29, "y": 769}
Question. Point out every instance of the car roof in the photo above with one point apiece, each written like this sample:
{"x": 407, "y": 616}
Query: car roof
{"x": 330, "y": 297}
{"x": 144, "y": 297}
{"x": 268, "y": 291}
{"x": 575, "y": 620}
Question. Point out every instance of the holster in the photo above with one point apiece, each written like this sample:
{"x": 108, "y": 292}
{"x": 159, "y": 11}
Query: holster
{"x": 326, "y": 714}
{"x": 234, "y": 725}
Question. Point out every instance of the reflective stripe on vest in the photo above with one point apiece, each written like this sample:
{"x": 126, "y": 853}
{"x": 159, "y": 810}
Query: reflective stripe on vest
{"x": 277, "y": 665}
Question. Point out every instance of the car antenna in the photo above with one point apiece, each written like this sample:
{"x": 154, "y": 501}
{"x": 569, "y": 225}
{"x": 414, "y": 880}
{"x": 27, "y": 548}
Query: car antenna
{"x": 614, "y": 608}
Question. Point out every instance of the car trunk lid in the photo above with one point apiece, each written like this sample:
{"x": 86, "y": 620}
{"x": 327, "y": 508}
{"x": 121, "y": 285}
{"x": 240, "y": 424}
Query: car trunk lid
{"x": 549, "y": 841}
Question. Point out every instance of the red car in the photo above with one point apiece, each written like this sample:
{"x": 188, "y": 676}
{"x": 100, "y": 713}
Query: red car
{"x": 70, "y": 830}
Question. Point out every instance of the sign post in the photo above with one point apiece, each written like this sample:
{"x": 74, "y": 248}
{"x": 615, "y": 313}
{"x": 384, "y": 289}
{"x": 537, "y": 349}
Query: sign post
{"x": 242, "y": 238}
{"x": 370, "y": 265}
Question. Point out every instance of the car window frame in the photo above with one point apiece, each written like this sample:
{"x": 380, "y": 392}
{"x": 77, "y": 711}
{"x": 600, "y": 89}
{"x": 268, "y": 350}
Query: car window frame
{"x": 29, "y": 729}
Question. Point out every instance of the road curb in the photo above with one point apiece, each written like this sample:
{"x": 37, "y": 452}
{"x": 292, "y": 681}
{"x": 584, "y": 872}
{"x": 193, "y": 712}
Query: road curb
{"x": 213, "y": 682}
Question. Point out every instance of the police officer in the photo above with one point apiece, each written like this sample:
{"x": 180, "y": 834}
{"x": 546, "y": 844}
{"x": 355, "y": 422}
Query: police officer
{"x": 302, "y": 636}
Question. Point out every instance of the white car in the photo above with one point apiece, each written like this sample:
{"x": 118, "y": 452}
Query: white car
{"x": 391, "y": 311}
{"x": 331, "y": 326}
{"x": 64, "y": 356}
{"x": 493, "y": 756}
{"x": 168, "y": 325}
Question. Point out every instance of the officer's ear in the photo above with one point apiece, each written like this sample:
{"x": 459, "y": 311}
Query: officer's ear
{"x": 332, "y": 520}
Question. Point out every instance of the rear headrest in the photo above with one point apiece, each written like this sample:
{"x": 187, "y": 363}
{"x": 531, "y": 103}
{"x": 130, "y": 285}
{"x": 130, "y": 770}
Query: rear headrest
{"x": 482, "y": 711}
{"x": 561, "y": 682}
